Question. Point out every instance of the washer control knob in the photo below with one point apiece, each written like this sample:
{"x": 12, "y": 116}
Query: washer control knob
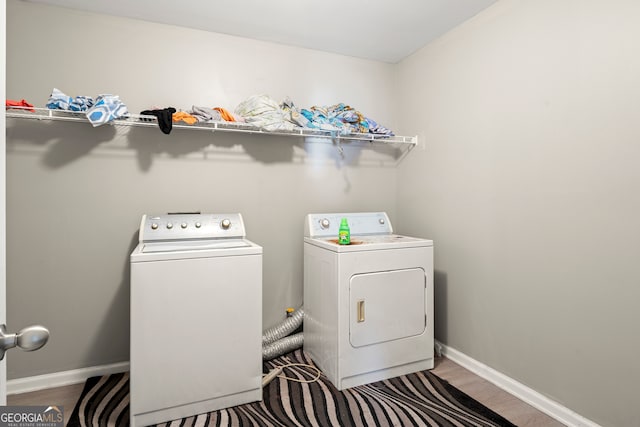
{"x": 381, "y": 221}
{"x": 198, "y": 225}
{"x": 154, "y": 226}
{"x": 169, "y": 225}
{"x": 225, "y": 224}
{"x": 183, "y": 225}
{"x": 325, "y": 223}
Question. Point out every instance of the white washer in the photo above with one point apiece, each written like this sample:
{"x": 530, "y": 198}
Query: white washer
{"x": 196, "y": 317}
{"x": 368, "y": 306}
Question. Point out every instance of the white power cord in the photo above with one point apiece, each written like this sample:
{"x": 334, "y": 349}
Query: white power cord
{"x": 275, "y": 372}
{"x": 266, "y": 379}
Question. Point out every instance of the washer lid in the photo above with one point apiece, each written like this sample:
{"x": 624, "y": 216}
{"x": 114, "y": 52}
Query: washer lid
{"x": 193, "y": 249}
{"x": 193, "y": 245}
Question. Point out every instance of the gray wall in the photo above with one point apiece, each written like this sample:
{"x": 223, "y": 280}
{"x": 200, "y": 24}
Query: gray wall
{"x": 530, "y": 188}
{"x": 528, "y": 181}
{"x": 75, "y": 194}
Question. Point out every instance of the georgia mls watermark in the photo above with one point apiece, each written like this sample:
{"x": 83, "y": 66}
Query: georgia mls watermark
{"x": 31, "y": 416}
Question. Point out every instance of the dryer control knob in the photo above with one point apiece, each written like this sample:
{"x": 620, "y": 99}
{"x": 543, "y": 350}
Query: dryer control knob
{"x": 381, "y": 220}
{"x": 169, "y": 226}
{"x": 154, "y": 226}
{"x": 183, "y": 225}
{"x": 225, "y": 224}
{"x": 325, "y": 223}
{"x": 198, "y": 225}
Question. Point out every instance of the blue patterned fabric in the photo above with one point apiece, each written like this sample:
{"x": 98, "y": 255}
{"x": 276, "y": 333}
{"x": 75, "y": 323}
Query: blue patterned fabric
{"x": 343, "y": 119}
{"x": 81, "y": 103}
{"x": 378, "y": 129}
{"x": 61, "y": 101}
{"x": 58, "y": 100}
{"x": 106, "y": 109}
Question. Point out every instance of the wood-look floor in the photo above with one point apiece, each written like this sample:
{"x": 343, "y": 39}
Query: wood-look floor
{"x": 483, "y": 391}
{"x": 66, "y": 397}
{"x": 494, "y": 398}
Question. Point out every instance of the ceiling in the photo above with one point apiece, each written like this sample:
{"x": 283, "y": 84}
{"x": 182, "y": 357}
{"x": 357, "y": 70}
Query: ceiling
{"x": 386, "y": 31}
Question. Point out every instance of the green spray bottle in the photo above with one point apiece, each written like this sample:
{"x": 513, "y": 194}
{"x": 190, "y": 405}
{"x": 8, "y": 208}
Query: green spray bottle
{"x": 344, "y": 234}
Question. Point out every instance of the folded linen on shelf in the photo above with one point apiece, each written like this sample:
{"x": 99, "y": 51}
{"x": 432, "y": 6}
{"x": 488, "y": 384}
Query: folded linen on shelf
{"x": 378, "y": 129}
{"x": 107, "y": 108}
{"x": 264, "y": 112}
{"x": 181, "y": 116}
{"x": 342, "y": 118}
{"x": 319, "y": 118}
{"x": 227, "y": 115}
{"x": 81, "y": 103}
{"x": 293, "y": 114}
{"x": 58, "y": 100}
{"x": 205, "y": 114}
{"x": 104, "y": 109}
{"x": 22, "y": 105}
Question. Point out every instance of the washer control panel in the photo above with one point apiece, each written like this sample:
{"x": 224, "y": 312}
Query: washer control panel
{"x": 327, "y": 225}
{"x": 187, "y": 226}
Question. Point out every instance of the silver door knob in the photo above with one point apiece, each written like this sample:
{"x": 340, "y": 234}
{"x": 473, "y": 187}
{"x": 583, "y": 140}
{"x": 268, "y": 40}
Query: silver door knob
{"x": 29, "y": 339}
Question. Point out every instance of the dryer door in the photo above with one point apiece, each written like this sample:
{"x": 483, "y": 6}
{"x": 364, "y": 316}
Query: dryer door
{"x": 386, "y": 306}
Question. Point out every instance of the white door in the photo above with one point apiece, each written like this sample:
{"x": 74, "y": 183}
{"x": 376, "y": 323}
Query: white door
{"x": 34, "y": 337}
{"x": 3, "y": 255}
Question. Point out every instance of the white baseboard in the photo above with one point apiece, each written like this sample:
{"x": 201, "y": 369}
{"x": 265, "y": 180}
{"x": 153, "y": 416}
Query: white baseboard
{"x": 550, "y": 407}
{"x": 59, "y": 379}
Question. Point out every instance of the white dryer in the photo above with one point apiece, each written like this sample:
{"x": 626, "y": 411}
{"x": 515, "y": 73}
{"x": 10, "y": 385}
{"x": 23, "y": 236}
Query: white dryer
{"x": 196, "y": 317}
{"x": 368, "y": 305}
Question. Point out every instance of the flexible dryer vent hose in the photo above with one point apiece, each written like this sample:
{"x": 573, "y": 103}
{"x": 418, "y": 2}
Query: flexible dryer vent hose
{"x": 282, "y": 346}
{"x": 285, "y": 328}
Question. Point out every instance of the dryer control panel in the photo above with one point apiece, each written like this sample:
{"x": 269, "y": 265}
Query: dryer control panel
{"x": 188, "y": 226}
{"x": 364, "y": 223}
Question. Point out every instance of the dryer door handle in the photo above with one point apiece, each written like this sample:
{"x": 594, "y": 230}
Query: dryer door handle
{"x": 360, "y": 311}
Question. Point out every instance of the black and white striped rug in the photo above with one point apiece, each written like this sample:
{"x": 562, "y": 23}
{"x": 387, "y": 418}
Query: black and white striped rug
{"x": 420, "y": 399}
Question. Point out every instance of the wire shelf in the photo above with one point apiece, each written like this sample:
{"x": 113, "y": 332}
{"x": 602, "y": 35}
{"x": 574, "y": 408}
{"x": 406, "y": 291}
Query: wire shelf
{"x": 138, "y": 120}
